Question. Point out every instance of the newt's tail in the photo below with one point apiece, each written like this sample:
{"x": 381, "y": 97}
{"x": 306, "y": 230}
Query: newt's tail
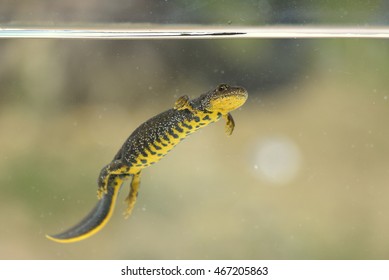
{"x": 95, "y": 220}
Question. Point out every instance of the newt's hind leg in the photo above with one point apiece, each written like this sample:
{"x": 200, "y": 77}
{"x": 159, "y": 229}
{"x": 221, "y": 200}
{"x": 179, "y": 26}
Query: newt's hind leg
{"x": 131, "y": 198}
{"x": 116, "y": 167}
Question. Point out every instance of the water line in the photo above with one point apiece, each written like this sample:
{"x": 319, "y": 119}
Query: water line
{"x": 192, "y": 32}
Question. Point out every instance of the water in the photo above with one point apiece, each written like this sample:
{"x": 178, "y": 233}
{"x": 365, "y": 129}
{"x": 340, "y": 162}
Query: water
{"x": 195, "y": 32}
{"x": 304, "y": 174}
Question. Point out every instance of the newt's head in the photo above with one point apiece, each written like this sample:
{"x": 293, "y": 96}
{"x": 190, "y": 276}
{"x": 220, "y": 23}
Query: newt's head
{"x": 224, "y": 98}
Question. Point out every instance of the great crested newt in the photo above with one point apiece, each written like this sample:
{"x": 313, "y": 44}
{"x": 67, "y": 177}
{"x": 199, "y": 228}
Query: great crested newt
{"x": 151, "y": 141}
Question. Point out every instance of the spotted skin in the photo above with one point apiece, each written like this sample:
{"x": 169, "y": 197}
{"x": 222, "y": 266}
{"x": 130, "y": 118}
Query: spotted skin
{"x": 150, "y": 142}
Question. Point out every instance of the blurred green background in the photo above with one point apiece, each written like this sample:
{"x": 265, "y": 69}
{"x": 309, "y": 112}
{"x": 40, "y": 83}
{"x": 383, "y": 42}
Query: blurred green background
{"x": 304, "y": 176}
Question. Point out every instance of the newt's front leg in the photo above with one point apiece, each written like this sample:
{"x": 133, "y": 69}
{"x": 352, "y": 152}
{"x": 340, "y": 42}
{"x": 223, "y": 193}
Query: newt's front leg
{"x": 230, "y": 124}
{"x": 131, "y": 198}
{"x": 116, "y": 167}
{"x": 183, "y": 103}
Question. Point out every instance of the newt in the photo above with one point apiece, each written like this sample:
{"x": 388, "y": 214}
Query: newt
{"x": 151, "y": 141}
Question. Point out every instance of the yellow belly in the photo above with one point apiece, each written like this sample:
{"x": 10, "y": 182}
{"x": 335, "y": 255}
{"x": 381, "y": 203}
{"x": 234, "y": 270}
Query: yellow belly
{"x": 153, "y": 152}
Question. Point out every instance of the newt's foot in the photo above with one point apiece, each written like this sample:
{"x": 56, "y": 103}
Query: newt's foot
{"x": 130, "y": 201}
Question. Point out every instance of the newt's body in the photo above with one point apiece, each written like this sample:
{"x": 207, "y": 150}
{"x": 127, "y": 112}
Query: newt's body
{"x": 147, "y": 145}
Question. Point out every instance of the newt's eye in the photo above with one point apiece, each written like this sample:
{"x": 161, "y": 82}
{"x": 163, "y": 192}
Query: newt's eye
{"x": 222, "y": 87}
